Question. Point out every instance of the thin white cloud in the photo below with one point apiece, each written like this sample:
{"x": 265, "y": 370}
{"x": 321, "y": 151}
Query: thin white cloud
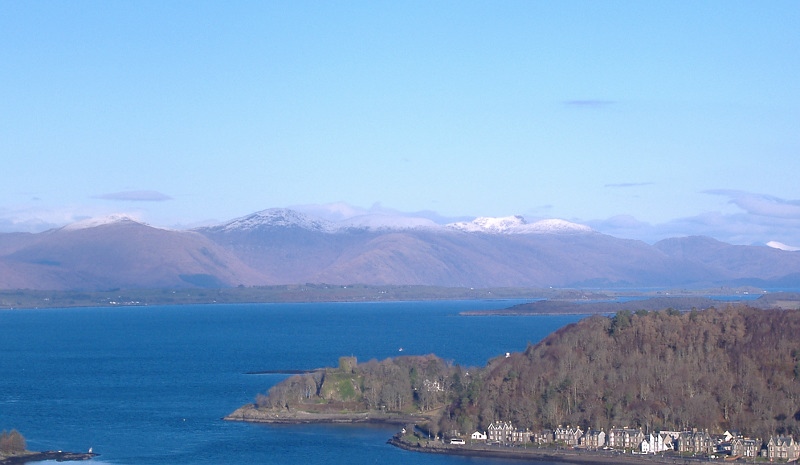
{"x": 135, "y": 196}
{"x": 762, "y": 219}
{"x": 761, "y": 204}
{"x": 739, "y": 228}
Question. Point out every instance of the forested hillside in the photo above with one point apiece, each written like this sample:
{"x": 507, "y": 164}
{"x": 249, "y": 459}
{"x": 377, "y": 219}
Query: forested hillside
{"x": 403, "y": 384}
{"x": 717, "y": 369}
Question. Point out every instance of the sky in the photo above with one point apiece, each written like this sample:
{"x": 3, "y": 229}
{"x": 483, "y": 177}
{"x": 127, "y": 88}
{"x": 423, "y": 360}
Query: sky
{"x": 643, "y": 120}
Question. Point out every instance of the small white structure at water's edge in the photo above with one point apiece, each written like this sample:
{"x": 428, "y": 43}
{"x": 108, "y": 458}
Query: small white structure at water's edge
{"x": 478, "y": 436}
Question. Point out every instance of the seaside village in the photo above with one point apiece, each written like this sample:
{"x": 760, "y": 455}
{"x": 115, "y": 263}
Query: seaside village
{"x": 730, "y": 445}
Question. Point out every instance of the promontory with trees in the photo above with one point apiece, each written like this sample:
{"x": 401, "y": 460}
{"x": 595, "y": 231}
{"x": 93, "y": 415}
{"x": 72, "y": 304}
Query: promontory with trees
{"x": 733, "y": 369}
{"x": 13, "y": 450}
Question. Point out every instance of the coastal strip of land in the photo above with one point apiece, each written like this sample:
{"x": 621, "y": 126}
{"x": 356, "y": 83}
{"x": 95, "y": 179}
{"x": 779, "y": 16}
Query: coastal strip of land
{"x": 575, "y": 456}
{"x": 416, "y": 443}
{"x": 58, "y": 456}
{"x": 251, "y": 414}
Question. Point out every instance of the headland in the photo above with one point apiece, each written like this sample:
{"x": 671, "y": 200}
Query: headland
{"x": 251, "y": 414}
{"x": 57, "y": 455}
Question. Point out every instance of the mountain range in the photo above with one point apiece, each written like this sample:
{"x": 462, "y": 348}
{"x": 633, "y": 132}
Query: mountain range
{"x": 282, "y": 246}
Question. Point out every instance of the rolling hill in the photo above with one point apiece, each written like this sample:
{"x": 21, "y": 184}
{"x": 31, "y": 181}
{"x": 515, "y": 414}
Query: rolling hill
{"x": 280, "y": 246}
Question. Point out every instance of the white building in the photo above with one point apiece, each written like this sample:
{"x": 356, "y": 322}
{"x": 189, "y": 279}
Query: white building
{"x": 654, "y": 444}
{"x": 478, "y": 436}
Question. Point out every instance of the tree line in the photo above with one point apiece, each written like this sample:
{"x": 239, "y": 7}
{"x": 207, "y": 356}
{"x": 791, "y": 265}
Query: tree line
{"x": 716, "y": 369}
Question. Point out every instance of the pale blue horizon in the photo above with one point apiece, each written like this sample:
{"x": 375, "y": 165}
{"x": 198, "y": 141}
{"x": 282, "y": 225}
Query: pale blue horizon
{"x": 641, "y": 119}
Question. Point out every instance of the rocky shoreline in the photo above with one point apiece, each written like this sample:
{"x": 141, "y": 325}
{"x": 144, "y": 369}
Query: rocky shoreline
{"x": 251, "y": 414}
{"x": 410, "y": 442}
{"x": 58, "y": 456}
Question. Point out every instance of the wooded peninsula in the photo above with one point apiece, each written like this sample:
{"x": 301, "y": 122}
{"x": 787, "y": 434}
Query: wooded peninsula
{"x": 716, "y": 370}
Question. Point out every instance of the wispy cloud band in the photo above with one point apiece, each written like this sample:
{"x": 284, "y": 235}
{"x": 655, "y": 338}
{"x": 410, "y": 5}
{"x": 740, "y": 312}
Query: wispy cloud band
{"x": 761, "y": 204}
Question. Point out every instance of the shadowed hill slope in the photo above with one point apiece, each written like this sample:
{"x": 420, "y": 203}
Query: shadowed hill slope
{"x": 736, "y": 368}
{"x": 122, "y": 254}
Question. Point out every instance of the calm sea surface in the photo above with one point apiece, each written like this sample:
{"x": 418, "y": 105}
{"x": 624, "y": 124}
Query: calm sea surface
{"x": 148, "y": 385}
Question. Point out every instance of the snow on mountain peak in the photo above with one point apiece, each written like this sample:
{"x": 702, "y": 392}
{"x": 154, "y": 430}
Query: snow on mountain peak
{"x": 517, "y": 225}
{"x": 99, "y": 221}
{"x": 284, "y": 217}
{"x": 387, "y": 222}
{"x": 279, "y": 217}
{"x": 555, "y": 225}
{"x": 488, "y": 224}
{"x": 782, "y": 246}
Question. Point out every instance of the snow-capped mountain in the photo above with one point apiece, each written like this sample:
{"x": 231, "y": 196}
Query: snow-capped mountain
{"x": 288, "y": 218}
{"x": 277, "y": 218}
{"x": 284, "y": 246}
{"x": 518, "y": 225}
{"x": 99, "y": 221}
{"x": 556, "y": 226}
{"x": 382, "y": 222}
{"x": 782, "y": 246}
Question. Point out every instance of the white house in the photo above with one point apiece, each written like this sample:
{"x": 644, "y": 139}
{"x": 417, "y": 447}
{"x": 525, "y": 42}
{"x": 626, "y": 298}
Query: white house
{"x": 654, "y": 444}
{"x": 478, "y": 436}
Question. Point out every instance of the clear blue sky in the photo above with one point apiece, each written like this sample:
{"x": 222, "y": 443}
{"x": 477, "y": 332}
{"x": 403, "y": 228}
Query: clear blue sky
{"x": 643, "y": 119}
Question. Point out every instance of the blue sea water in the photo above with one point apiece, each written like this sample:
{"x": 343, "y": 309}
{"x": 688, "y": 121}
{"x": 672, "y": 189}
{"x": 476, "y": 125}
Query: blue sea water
{"x": 149, "y": 385}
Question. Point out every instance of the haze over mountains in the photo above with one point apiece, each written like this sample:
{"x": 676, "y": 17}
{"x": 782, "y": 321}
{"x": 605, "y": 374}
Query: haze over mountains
{"x": 281, "y": 246}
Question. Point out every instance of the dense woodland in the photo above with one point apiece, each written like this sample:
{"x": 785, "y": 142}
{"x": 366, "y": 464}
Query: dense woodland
{"x": 402, "y": 384}
{"x": 734, "y": 368}
{"x": 717, "y": 369}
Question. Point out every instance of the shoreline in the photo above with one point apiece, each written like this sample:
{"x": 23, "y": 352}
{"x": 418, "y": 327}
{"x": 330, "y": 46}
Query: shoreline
{"x": 573, "y": 456}
{"x": 58, "y": 456}
{"x": 250, "y": 414}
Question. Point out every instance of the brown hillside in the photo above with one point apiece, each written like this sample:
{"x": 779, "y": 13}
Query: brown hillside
{"x": 122, "y": 254}
{"x": 716, "y": 369}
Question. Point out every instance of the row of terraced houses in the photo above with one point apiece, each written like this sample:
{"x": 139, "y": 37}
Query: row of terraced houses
{"x": 694, "y": 442}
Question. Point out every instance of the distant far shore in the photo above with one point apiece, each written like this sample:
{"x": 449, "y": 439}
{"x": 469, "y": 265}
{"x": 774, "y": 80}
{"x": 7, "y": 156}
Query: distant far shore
{"x": 58, "y": 456}
{"x": 304, "y": 293}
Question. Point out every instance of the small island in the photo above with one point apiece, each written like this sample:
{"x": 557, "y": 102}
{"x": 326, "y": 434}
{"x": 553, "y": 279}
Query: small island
{"x": 656, "y": 385}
